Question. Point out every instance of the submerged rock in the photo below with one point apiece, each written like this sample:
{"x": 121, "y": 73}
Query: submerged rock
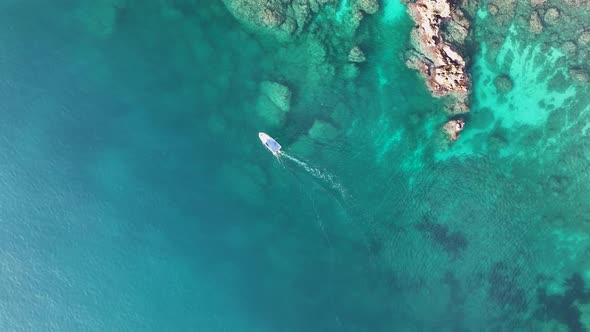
{"x": 536, "y": 3}
{"x": 535, "y": 25}
{"x": 101, "y": 17}
{"x": 503, "y": 83}
{"x": 579, "y": 75}
{"x": 551, "y": 16}
{"x": 493, "y": 10}
{"x": 273, "y": 103}
{"x": 350, "y": 71}
{"x": 584, "y": 38}
{"x": 322, "y": 131}
{"x": 453, "y": 127}
{"x": 356, "y": 55}
{"x": 367, "y": 6}
{"x": 569, "y": 47}
{"x": 279, "y": 94}
{"x": 505, "y": 11}
{"x": 283, "y": 16}
{"x": 457, "y": 28}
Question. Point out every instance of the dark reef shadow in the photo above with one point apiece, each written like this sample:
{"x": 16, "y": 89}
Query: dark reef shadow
{"x": 504, "y": 289}
{"x": 562, "y": 308}
{"x": 452, "y": 242}
{"x": 457, "y": 299}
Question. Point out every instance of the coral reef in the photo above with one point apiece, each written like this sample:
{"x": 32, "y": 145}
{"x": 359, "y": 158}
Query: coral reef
{"x": 283, "y": 17}
{"x": 290, "y": 17}
{"x": 560, "y": 24}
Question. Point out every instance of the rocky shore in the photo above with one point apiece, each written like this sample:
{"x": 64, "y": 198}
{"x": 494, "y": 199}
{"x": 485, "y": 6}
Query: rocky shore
{"x": 440, "y": 61}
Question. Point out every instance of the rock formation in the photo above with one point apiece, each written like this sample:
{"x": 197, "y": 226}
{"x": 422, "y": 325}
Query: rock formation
{"x": 453, "y": 127}
{"x": 440, "y": 62}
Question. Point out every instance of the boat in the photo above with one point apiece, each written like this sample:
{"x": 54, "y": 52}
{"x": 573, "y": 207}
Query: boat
{"x": 270, "y": 143}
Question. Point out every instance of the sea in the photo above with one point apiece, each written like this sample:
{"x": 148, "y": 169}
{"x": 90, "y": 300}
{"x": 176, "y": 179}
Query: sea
{"x": 136, "y": 195}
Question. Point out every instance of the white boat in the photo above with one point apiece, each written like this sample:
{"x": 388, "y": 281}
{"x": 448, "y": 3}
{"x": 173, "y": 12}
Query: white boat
{"x": 270, "y": 143}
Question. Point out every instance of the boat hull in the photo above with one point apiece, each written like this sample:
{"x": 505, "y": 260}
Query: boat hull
{"x": 270, "y": 143}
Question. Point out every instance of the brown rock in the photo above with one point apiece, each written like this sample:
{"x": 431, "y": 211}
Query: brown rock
{"x": 356, "y": 55}
{"x": 442, "y": 66}
{"x": 453, "y": 127}
{"x": 551, "y": 16}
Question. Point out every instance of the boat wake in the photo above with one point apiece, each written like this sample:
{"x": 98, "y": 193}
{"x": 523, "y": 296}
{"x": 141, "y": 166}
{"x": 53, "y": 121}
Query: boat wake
{"x": 317, "y": 173}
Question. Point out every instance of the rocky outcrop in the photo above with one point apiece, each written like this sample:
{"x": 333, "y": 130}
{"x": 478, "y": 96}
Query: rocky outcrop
{"x": 439, "y": 34}
{"x": 438, "y": 60}
{"x": 452, "y": 129}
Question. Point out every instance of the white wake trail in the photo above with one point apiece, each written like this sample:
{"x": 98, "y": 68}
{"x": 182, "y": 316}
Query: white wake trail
{"x": 318, "y": 174}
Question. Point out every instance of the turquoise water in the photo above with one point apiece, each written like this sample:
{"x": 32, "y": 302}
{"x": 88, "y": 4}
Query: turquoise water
{"x": 137, "y": 196}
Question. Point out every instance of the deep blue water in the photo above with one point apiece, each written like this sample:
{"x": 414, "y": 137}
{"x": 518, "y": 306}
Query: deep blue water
{"x": 137, "y": 197}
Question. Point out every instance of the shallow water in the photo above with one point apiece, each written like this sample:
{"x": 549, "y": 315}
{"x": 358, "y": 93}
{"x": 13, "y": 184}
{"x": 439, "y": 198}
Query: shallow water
{"x": 138, "y": 197}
